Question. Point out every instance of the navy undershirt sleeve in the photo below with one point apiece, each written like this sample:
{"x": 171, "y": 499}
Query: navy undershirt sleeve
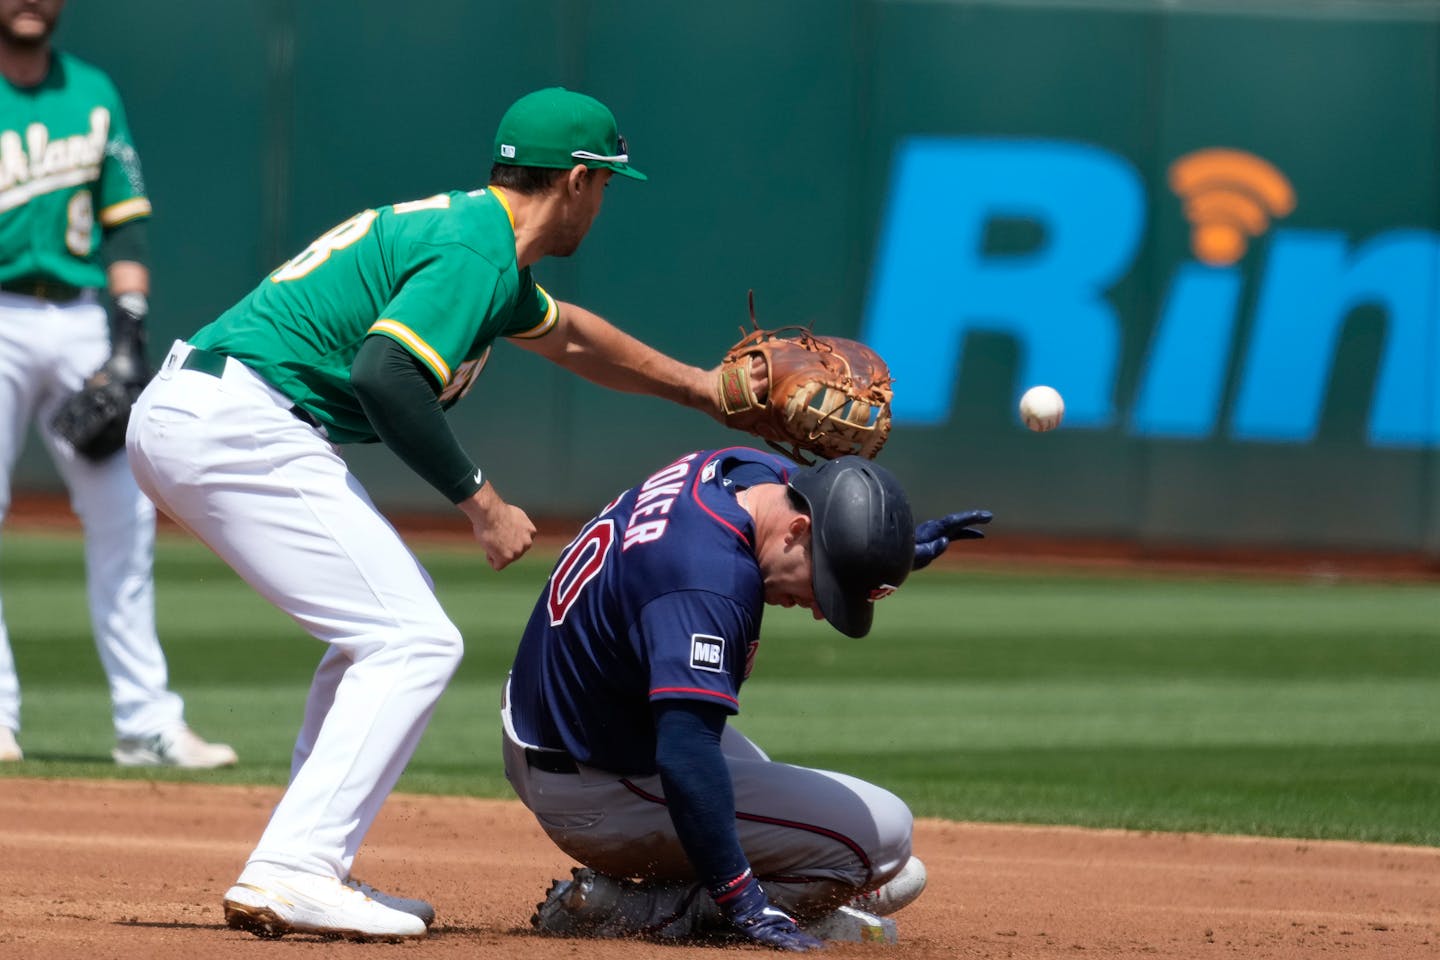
{"x": 698, "y": 791}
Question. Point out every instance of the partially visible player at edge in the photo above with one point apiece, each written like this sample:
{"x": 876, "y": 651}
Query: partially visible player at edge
{"x": 370, "y": 334}
{"x": 73, "y": 215}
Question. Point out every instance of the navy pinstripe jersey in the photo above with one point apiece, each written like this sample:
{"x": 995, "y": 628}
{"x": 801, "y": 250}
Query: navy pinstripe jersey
{"x": 659, "y": 597}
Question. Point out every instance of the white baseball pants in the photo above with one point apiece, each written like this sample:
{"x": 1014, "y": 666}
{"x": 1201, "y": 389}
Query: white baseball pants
{"x": 46, "y": 352}
{"x": 226, "y": 458}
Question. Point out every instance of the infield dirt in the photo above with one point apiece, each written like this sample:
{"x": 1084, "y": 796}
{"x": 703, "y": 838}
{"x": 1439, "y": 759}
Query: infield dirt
{"x": 125, "y": 870}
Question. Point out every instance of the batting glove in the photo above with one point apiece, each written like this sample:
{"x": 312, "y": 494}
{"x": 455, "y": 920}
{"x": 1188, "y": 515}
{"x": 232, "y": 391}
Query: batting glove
{"x": 933, "y": 536}
{"x": 127, "y": 363}
{"x": 746, "y": 906}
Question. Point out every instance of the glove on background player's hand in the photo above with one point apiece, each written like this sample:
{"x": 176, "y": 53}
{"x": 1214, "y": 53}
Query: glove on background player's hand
{"x": 93, "y": 419}
{"x": 823, "y": 395}
{"x": 744, "y": 903}
{"x": 933, "y": 536}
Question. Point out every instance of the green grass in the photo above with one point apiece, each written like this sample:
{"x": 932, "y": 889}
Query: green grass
{"x": 1306, "y": 709}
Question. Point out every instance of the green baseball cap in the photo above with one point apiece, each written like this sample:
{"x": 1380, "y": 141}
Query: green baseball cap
{"x": 558, "y": 128}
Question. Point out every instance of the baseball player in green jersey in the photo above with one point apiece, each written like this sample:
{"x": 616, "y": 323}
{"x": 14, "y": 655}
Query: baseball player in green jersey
{"x": 72, "y": 221}
{"x": 369, "y": 334}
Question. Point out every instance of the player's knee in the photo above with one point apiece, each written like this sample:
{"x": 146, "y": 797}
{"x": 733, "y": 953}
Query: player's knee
{"x": 894, "y": 832}
{"x": 432, "y": 649}
{"x": 445, "y": 641}
{"x": 115, "y": 509}
{"x": 446, "y": 647}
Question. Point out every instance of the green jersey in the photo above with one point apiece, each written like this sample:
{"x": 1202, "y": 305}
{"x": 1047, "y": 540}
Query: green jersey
{"x": 65, "y": 153}
{"x": 437, "y": 275}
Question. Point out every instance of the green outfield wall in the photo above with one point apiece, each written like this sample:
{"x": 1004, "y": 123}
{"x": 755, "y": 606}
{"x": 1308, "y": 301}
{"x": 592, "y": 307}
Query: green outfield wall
{"x": 1213, "y": 226}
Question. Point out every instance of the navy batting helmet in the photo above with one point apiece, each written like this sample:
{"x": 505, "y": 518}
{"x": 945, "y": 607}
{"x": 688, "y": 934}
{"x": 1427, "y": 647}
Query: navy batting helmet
{"x": 862, "y": 539}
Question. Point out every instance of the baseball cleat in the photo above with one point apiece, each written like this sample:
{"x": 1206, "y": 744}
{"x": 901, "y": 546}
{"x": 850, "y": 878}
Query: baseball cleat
{"x": 849, "y": 925}
{"x": 899, "y": 891}
{"x": 9, "y": 749}
{"x": 410, "y": 905}
{"x": 177, "y": 747}
{"x": 592, "y": 904}
{"x": 551, "y": 914}
{"x": 286, "y": 901}
{"x": 580, "y": 905}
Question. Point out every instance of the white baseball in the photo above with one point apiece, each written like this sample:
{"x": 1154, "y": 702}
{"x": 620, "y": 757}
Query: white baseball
{"x": 1042, "y": 408}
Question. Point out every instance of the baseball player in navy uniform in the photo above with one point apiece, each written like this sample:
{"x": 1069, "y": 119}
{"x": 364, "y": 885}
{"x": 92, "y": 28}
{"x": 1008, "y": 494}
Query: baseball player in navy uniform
{"x": 615, "y": 711}
{"x": 72, "y": 221}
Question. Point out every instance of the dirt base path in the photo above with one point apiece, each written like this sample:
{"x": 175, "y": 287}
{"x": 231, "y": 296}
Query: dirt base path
{"x": 124, "y": 870}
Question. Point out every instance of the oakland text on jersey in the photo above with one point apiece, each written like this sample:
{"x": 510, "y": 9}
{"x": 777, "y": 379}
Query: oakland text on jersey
{"x": 37, "y": 164}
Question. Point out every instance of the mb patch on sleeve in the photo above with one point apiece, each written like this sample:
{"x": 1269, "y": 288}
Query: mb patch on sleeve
{"x": 707, "y": 653}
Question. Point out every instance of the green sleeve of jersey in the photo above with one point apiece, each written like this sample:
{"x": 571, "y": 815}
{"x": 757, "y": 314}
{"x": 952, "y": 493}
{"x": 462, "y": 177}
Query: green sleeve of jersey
{"x": 535, "y": 314}
{"x": 122, "y": 186}
{"x": 401, "y": 405}
{"x": 447, "y": 310}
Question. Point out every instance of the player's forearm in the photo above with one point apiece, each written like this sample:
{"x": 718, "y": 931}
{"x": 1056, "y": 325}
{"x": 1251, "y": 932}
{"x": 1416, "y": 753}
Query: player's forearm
{"x": 604, "y": 354}
{"x": 128, "y": 283}
{"x": 482, "y": 506}
{"x": 401, "y": 406}
{"x": 127, "y": 276}
{"x": 698, "y": 790}
{"x": 126, "y": 251}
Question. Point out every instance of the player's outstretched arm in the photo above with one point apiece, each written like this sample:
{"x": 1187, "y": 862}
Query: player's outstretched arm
{"x": 591, "y": 346}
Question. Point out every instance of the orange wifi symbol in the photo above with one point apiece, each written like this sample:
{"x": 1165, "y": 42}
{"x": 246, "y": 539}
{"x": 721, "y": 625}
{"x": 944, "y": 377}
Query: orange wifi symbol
{"x": 1229, "y": 196}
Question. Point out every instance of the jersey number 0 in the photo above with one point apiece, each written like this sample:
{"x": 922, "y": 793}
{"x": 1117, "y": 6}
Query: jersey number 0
{"x": 581, "y": 563}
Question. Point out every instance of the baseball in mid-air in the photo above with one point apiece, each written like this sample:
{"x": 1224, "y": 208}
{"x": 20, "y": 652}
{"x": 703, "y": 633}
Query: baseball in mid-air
{"x": 1042, "y": 408}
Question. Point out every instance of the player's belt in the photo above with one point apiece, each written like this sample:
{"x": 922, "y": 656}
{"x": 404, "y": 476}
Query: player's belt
{"x": 212, "y": 363}
{"x": 52, "y": 290}
{"x": 203, "y": 361}
{"x": 550, "y": 761}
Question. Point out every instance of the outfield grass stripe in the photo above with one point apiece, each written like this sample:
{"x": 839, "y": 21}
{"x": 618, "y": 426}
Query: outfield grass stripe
{"x": 1057, "y": 713}
{"x": 1282, "y": 708}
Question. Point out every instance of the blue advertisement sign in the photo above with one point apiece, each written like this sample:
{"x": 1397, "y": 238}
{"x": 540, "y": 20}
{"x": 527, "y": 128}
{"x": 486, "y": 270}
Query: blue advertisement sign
{"x": 1090, "y": 208}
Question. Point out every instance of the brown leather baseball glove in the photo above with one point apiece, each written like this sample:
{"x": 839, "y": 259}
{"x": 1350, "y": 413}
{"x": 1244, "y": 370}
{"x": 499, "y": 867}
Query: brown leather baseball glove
{"x": 826, "y": 395}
